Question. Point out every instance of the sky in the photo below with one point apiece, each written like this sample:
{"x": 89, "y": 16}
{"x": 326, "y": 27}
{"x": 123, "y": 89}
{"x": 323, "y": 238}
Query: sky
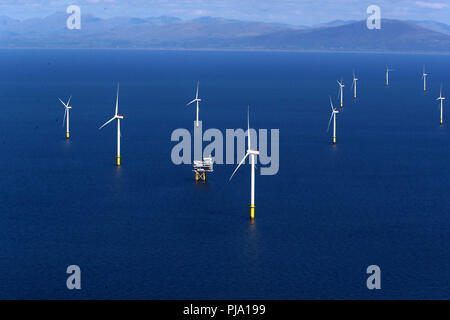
{"x": 294, "y": 12}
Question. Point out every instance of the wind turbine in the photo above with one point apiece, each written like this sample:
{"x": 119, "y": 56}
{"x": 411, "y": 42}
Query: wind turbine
{"x": 333, "y": 117}
{"x": 67, "y": 107}
{"x": 442, "y": 101}
{"x": 340, "y": 94}
{"x": 252, "y": 153}
{"x": 197, "y": 99}
{"x": 118, "y": 117}
{"x": 387, "y": 75}
{"x": 354, "y": 84}
{"x": 424, "y": 76}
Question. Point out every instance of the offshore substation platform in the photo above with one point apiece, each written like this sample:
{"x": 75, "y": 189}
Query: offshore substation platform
{"x": 202, "y": 167}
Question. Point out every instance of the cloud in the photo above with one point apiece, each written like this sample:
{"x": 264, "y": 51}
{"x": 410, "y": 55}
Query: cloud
{"x": 431, "y": 5}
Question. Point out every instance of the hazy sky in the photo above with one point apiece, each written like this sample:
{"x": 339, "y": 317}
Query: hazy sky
{"x": 297, "y": 12}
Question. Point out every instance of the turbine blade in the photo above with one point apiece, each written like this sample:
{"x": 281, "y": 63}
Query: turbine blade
{"x": 62, "y": 102}
{"x": 64, "y": 119}
{"x": 196, "y": 93}
{"x": 191, "y": 102}
{"x": 331, "y": 104}
{"x": 329, "y": 122}
{"x": 107, "y": 122}
{"x": 68, "y": 102}
{"x": 248, "y": 127}
{"x": 117, "y": 100}
{"x": 240, "y": 163}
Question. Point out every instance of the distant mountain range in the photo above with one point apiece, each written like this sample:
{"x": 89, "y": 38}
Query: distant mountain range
{"x": 219, "y": 33}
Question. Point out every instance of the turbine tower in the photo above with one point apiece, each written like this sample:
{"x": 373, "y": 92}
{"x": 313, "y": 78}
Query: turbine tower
{"x": 252, "y": 153}
{"x": 118, "y": 118}
{"x": 67, "y": 107}
{"x": 424, "y": 76}
{"x": 334, "y": 111}
{"x": 341, "y": 92}
{"x": 442, "y": 102}
{"x": 354, "y": 84}
{"x": 197, "y": 99}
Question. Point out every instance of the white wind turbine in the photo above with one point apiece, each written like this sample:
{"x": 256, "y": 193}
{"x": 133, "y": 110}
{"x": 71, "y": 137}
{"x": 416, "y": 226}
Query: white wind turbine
{"x": 341, "y": 92}
{"x": 118, "y": 117}
{"x": 442, "y": 102}
{"x": 424, "y": 76}
{"x": 67, "y": 107}
{"x": 334, "y": 111}
{"x": 197, "y": 99}
{"x": 387, "y": 75}
{"x": 252, "y": 153}
{"x": 354, "y": 84}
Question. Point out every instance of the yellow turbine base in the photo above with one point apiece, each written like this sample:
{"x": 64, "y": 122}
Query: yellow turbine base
{"x": 118, "y": 160}
{"x": 334, "y": 140}
{"x": 197, "y": 123}
{"x": 67, "y": 135}
{"x": 200, "y": 176}
{"x": 252, "y": 211}
{"x": 354, "y": 96}
{"x": 441, "y": 121}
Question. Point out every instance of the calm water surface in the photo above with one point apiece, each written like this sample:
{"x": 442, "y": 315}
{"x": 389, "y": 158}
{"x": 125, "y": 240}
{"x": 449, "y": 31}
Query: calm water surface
{"x": 147, "y": 231}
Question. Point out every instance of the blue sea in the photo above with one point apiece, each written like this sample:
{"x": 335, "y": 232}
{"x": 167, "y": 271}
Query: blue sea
{"x": 146, "y": 230}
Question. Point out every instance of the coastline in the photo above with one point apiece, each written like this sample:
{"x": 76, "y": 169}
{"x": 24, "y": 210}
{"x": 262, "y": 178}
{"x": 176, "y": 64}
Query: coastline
{"x": 231, "y": 50}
